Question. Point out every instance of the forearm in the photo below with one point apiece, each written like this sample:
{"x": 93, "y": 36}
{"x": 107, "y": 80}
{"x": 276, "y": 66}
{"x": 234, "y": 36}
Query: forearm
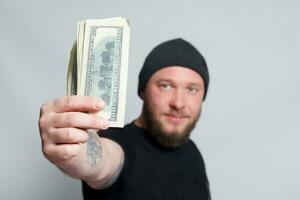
{"x": 88, "y": 162}
{"x": 92, "y": 164}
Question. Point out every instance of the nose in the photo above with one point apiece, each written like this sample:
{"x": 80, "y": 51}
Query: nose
{"x": 177, "y": 101}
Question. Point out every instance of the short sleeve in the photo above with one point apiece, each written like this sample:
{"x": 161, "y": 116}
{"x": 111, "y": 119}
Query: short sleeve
{"x": 125, "y": 140}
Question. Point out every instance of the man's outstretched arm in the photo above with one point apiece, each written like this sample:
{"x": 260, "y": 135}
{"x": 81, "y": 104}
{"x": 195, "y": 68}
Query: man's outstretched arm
{"x": 63, "y": 126}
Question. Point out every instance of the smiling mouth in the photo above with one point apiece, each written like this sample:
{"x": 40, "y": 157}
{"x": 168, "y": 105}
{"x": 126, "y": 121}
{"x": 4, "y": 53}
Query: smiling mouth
{"x": 175, "y": 118}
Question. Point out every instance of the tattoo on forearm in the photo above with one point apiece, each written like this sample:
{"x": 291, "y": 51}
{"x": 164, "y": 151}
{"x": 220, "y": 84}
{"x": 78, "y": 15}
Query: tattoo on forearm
{"x": 93, "y": 149}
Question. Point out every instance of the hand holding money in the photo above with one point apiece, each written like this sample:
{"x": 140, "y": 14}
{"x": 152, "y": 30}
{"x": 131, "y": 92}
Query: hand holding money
{"x": 99, "y": 63}
{"x": 62, "y": 126}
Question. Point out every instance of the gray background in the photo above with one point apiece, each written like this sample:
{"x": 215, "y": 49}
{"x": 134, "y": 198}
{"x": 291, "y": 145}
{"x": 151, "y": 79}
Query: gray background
{"x": 249, "y": 130}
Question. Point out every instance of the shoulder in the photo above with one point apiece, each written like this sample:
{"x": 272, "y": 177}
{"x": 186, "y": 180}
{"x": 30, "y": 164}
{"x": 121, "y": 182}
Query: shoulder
{"x": 194, "y": 150}
{"x": 192, "y": 146}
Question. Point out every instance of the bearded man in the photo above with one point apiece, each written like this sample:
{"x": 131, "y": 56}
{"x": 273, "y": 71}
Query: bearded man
{"x": 152, "y": 157}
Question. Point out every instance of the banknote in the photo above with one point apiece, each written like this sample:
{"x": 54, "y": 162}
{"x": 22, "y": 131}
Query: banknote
{"x": 98, "y": 65}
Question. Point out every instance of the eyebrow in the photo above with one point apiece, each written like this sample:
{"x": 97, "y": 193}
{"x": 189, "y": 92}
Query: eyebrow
{"x": 172, "y": 81}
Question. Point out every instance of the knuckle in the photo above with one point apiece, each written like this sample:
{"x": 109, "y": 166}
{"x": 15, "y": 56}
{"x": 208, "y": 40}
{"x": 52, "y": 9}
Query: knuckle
{"x": 66, "y": 153}
{"x": 46, "y": 151}
{"x": 43, "y": 109}
{"x": 42, "y": 123}
{"x": 43, "y": 136}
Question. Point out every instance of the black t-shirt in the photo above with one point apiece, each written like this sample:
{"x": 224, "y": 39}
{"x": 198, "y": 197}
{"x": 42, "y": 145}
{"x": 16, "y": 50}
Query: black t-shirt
{"x": 153, "y": 172}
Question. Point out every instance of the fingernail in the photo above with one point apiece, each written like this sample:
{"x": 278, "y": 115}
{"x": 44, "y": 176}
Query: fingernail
{"x": 100, "y": 104}
{"x": 105, "y": 124}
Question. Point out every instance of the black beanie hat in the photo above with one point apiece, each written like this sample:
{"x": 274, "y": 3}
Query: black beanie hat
{"x": 176, "y": 52}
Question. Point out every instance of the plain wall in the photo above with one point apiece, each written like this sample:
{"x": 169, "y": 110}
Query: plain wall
{"x": 249, "y": 129}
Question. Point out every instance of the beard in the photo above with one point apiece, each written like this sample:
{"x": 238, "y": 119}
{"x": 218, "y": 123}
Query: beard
{"x": 166, "y": 139}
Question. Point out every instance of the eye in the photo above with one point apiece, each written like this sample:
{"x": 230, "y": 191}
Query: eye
{"x": 165, "y": 86}
{"x": 193, "y": 89}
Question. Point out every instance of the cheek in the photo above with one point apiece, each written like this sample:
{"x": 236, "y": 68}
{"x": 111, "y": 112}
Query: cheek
{"x": 194, "y": 106}
{"x": 158, "y": 101}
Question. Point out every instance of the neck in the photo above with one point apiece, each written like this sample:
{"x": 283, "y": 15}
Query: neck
{"x": 140, "y": 122}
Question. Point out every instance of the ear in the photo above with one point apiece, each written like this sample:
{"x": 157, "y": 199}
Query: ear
{"x": 142, "y": 95}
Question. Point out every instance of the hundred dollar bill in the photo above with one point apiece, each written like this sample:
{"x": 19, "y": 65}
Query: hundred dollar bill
{"x": 99, "y": 63}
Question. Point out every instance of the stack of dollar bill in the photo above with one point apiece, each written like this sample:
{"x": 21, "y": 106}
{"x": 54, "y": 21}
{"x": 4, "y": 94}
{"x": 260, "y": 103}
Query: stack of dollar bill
{"x": 99, "y": 63}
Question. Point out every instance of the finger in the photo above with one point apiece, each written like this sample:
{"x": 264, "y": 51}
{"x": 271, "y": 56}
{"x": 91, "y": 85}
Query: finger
{"x": 78, "y": 120}
{"x": 62, "y": 152}
{"x": 69, "y": 136}
{"x": 76, "y": 103}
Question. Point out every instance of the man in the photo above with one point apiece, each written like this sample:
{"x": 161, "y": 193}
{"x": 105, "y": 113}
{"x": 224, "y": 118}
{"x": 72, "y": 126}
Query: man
{"x": 150, "y": 158}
